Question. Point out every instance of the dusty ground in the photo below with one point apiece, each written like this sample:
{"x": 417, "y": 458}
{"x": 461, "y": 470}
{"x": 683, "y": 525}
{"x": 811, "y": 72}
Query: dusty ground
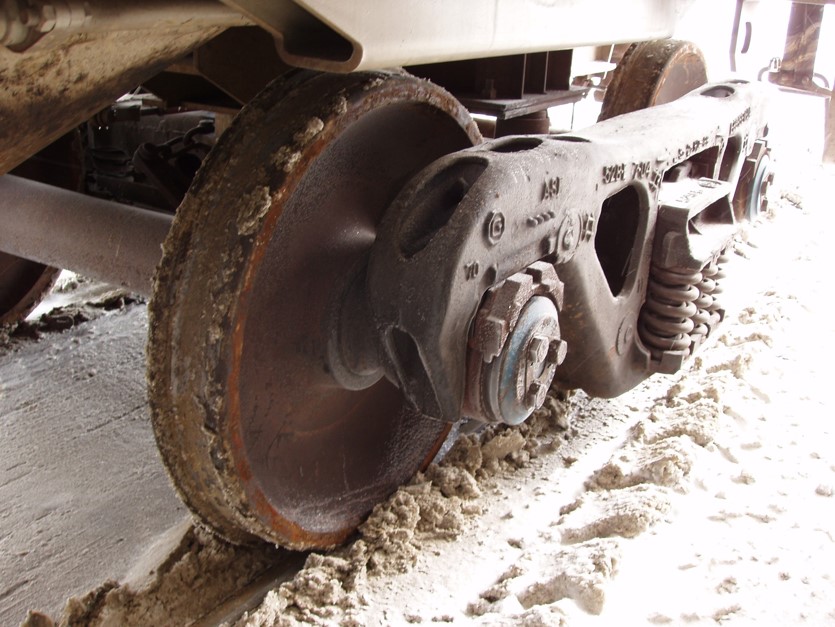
{"x": 81, "y": 488}
{"x": 702, "y": 498}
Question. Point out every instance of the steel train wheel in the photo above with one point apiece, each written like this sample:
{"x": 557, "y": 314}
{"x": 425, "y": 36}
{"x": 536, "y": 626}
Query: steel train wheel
{"x": 23, "y": 284}
{"x": 653, "y": 73}
{"x": 751, "y": 198}
{"x": 257, "y": 435}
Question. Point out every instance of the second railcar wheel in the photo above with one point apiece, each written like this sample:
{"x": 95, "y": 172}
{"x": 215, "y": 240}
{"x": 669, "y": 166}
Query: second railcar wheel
{"x": 259, "y": 437}
{"x": 653, "y": 73}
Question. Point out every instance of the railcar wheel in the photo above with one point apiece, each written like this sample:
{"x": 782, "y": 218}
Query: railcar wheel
{"x": 653, "y": 73}
{"x": 23, "y": 284}
{"x": 257, "y": 434}
{"x": 751, "y": 198}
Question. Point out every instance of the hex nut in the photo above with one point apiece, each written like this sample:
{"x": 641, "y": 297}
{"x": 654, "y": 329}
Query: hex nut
{"x": 495, "y": 227}
{"x": 538, "y": 349}
{"x": 557, "y": 352}
{"x": 536, "y": 395}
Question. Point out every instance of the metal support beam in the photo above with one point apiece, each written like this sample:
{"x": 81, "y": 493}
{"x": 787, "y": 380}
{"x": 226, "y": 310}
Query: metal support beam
{"x": 798, "y": 66}
{"x": 340, "y": 36}
{"x": 97, "y": 238}
{"x": 536, "y": 123}
{"x": 802, "y": 40}
{"x": 240, "y": 61}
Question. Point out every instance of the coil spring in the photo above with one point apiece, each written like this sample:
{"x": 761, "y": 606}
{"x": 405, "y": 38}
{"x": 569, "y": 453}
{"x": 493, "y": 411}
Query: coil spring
{"x": 666, "y": 320}
{"x": 710, "y": 288}
{"x": 682, "y": 308}
{"x": 706, "y": 316}
{"x": 717, "y": 312}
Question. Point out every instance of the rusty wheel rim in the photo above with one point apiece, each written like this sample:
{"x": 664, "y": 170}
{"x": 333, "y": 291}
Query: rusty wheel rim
{"x": 257, "y": 436}
{"x": 653, "y": 73}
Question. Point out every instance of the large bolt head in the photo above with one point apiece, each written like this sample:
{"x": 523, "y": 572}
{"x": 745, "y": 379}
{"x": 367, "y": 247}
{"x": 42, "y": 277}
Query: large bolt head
{"x": 538, "y": 349}
{"x": 557, "y": 351}
{"x": 495, "y": 227}
{"x": 568, "y": 239}
{"x": 535, "y": 397}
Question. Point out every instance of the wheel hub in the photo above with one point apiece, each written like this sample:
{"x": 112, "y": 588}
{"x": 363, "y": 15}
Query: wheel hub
{"x": 515, "y": 347}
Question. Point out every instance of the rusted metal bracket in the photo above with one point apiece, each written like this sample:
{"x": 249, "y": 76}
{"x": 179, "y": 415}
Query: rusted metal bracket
{"x": 797, "y": 69}
{"x": 517, "y": 89}
{"x": 24, "y": 23}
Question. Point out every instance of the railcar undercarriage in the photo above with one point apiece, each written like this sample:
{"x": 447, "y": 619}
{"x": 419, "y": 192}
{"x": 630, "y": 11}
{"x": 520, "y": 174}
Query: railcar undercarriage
{"x": 341, "y": 267}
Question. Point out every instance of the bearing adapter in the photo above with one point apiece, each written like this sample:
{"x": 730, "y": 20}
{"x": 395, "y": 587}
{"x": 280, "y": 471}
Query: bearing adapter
{"x": 515, "y": 346}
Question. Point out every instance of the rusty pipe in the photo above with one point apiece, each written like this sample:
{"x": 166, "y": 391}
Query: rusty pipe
{"x": 24, "y": 22}
{"x": 97, "y": 238}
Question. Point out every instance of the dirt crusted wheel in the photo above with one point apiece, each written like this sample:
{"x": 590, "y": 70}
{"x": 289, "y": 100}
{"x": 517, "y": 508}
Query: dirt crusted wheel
{"x": 257, "y": 435}
{"x": 653, "y": 73}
